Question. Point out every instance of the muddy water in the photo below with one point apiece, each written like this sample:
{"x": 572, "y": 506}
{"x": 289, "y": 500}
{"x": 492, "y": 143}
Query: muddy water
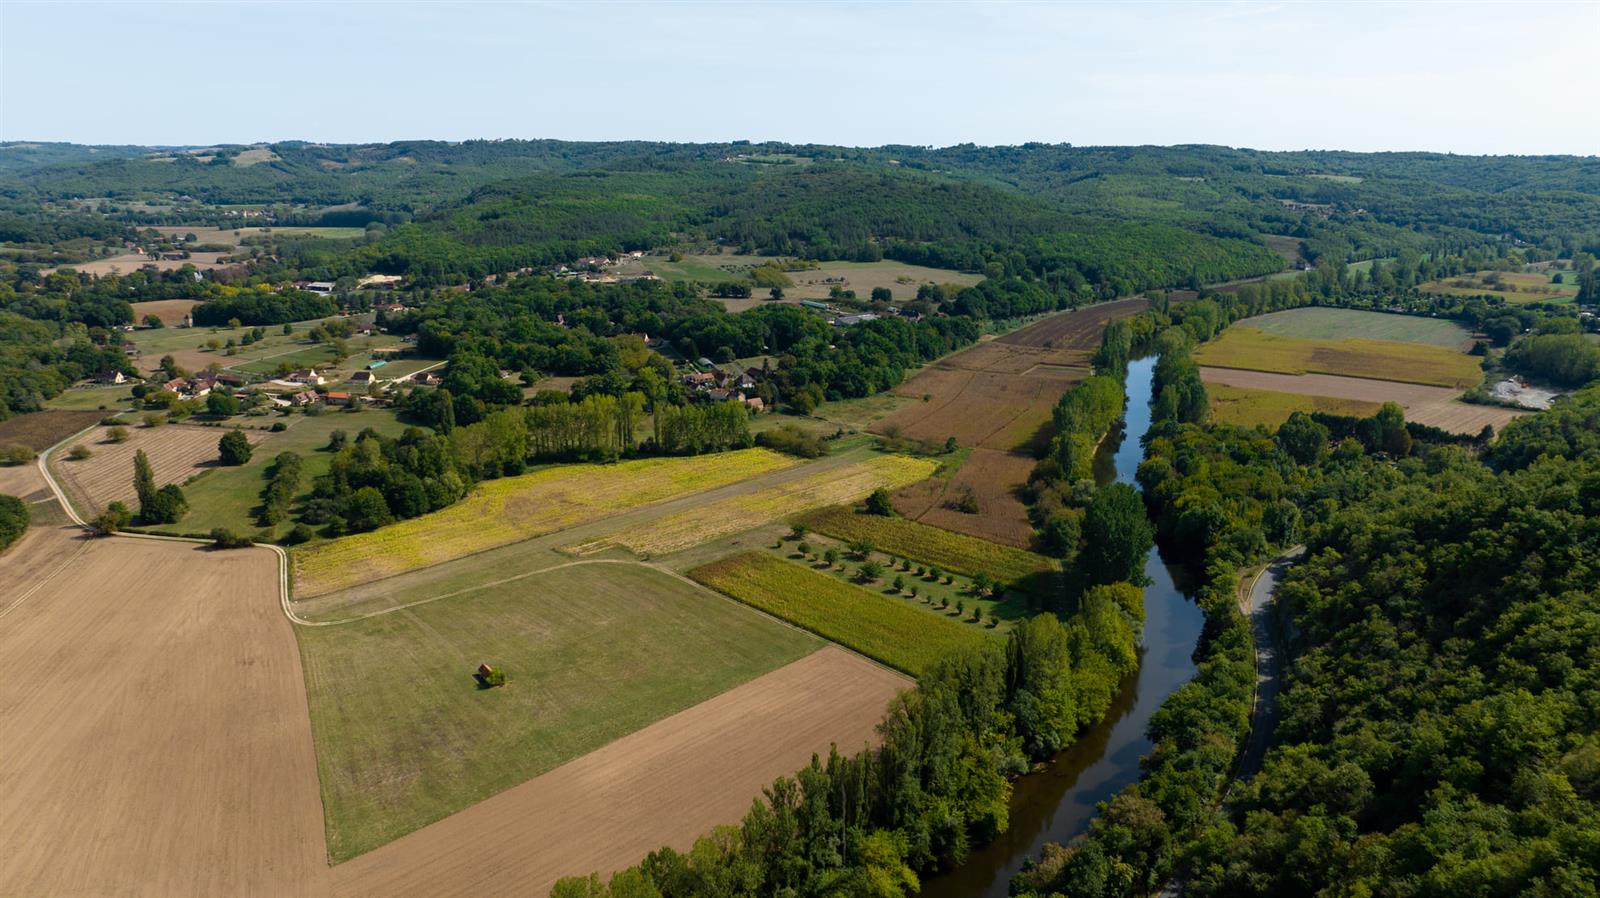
{"x": 1056, "y": 804}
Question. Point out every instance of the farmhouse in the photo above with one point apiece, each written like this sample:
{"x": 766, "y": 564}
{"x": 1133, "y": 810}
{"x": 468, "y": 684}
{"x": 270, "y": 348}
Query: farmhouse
{"x": 427, "y": 378}
{"x": 364, "y": 378}
{"x": 756, "y": 404}
{"x": 304, "y": 397}
{"x": 341, "y": 398}
{"x": 701, "y": 380}
{"x": 306, "y": 376}
{"x": 111, "y": 377}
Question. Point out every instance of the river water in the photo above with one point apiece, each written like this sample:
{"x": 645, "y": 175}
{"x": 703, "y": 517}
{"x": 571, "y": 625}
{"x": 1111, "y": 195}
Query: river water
{"x": 1056, "y": 804}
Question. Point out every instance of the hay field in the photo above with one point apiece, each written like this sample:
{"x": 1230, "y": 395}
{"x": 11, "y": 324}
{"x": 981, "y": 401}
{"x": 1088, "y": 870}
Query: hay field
{"x": 887, "y": 629}
{"x": 127, "y": 263}
{"x": 817, "y": 283}
{"x": 666, "y": 784}
{"x": 592, "y": 651}
{"x": 929, "y": 545}
{"x": 504, "y": 511}
{"x": 1323, "y": 323}
{"x": 737, "y": 514}
{"x": 156, "y": 737}
{"x": 1435, "y": 406}
{"x": 170, "y": 311}
{"x": 177, "y": 452}
{"x": 1257, "y": 350}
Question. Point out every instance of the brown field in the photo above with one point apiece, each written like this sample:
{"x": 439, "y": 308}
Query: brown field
{"x": 1434, "y": 406}
{"x": 128, "y": 263}
{"x": 177, "y": 452}
{"x": 41, "y": 430}
{"x": 157, "y": 740}
{"x": 996, "y": 397}
{"x": 1255, "y": 350}
{"x": 663, "y": 785}
{"x": 996, "y": 478}
{"x": 170, "y": 311}
{"x": 23, "y": 481}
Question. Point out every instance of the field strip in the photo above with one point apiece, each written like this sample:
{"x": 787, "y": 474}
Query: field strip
{"x": 665, "y": 784}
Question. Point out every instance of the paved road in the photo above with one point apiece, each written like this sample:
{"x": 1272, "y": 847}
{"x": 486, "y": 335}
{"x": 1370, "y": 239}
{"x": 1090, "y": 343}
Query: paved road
{"x": 1269, "y": 662}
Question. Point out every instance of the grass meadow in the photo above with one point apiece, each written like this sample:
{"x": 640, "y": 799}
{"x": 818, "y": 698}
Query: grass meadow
{"x": 1269, "y": 408}
{"x": 592, "y": 652}
{"x": 883, "y": 628}
{"x": 930, "y": 545}
{"x": 1322, "y": 323}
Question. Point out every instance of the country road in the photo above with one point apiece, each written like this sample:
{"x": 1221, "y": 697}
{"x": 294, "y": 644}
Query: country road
{"x": 1269, "y": 661}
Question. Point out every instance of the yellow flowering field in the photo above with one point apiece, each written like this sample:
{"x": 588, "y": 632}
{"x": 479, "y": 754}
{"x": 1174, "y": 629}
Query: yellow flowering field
{"x": 505, "y": 511}
{"x": 739, "y": 513}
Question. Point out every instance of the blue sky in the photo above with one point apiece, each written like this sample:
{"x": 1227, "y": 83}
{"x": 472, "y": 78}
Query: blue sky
{"x": 1467, "y": 78}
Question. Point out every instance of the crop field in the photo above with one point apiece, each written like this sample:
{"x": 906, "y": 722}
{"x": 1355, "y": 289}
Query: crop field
{"x": 995, "y": 480}
{"x": 592, "y": 652}
{"x": 663, "y": 785}
{"x": 127, "y": 263}
{"x": 177, "y": 452}
{"x": 170, "y": 311}
{"x": 929, "y": 545}
{"x": 41, "y": 430}
{"x": 1322, "y": 323}
{"x": 156, "y": 734}
{"x": 228, "y": 496}
{"x": 1513, "y": 286}
{"x": 1377, "y": 359}
{"x": 736, "y": 514}
{"x": 880, "y": 627}
{"x": 1269, "y": 408}
{"x": 499, "y": 512}
{"x": 1435, "y": 406}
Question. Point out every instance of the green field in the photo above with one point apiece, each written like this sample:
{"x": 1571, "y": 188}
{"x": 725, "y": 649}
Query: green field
{"x": 1269, "y": 408}
{"x": 227, "y": 497}
{"x": 887, "y": 629}
{"x": 931, "y": 545}
{"x": 592, "y": 653}
{"x": 93, "y": 396}
{"x": 1321, "y": 323}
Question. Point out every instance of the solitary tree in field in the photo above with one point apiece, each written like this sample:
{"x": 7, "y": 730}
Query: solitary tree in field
{"x": 831, "y": 557}
{"x": 234, "y": 448}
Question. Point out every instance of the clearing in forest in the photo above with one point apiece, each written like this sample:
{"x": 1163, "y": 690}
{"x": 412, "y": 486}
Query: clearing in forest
{"x": 737, "y": 514}
{"x": 504, "y": 511}
{"x": 1257, "y": 350}
{"x": 592, "y": 651}
{"x": 890, "y": 630}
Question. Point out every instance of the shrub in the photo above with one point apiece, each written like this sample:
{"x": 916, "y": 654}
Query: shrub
{"x": 15, "y": 454}
{"x": 279, "y": 427}
{"x": 152, "y": 419}
{"x": 792, "y": 440}
{"x": 798, "y": 531}
{"x": 79, "y": 452}
{"x": 302, "y": 533}
{"x": 871, "y": 570}
{"x": 804, "y": 548}
{"x": 117, "y": 434}
{"x": 880, "y": 503}
{"x": 899, "y": 584}
{"x": 114, "y": 518}
{"x": 223, "y": 538}
{"x": 831, "y": 556}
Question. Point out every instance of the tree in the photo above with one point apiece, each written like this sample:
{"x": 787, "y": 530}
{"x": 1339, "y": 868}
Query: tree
{"x": 831, "y": 556}
{"x": 899, "y": 583}
{"x": 220, "y": 404}
{"x": 152, "y": 321}
{"x": 879, "y": 502}
{"x": 144, "y": 480}
{"x": 114, "y": 518}
{"x": 234, "y": 448}
{"x": 1117, "y": 536}
{"x": 366, "y": 510}
{"x": 14, "y": 518}
{"x": 118, "y": 434}
{"x": 1302, "y": 439}
{"x": 166, "y": 506}
{"x": 871, "y": 570}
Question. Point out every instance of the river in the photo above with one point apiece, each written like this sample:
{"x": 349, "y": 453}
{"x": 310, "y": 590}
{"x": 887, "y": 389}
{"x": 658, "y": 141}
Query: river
{"x": 1056, "y": 803}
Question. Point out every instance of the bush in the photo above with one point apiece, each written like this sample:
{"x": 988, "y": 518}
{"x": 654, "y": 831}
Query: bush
{"x": 871, "y": 571}
{"x": 880, "y": 503}
{"x": 166, "y": 506}
{"x": 234, "y": 448}
{"x": 279, "y": 427}
{"x": 113, "y": 519}
{"x": 117, "y": 435}
{"x": 302, "y": 533}
{"x": 223, "y": 538}
{"x": 15, "y": 454}
{"x": 79, "y": 452}
{"x": 153, "y": 420}
{"x": 793, "y": 440}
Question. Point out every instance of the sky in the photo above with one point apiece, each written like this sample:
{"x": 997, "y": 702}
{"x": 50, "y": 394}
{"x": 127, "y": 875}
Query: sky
{"x": 1479, "y": 78}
